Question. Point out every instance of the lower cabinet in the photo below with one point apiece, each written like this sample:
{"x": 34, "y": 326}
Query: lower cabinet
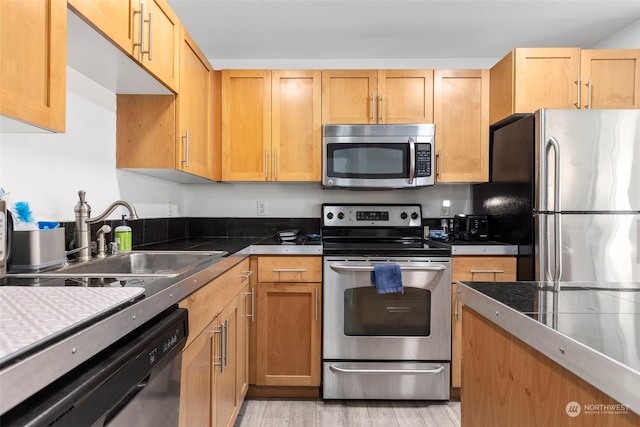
{"x": 479, "y": 269}
{"x": 288, "y": 324}
{"x": 214, "y": 362}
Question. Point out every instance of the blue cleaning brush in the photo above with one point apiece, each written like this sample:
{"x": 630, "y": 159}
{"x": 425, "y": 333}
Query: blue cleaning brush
{"x": 23, "y": 212}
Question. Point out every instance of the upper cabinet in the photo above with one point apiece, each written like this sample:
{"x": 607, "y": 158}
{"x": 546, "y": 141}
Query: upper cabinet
{"x": 610, "y": 78}
{"x": 271, "y": 125}
{"x": 531, "y": 78}
{"x": 148, "y": 31}
{"x": 461, "y": 116}
{"x": 377, "y": 96}
{"x": 175, "y": 137}
{"x": 33, "y": 65}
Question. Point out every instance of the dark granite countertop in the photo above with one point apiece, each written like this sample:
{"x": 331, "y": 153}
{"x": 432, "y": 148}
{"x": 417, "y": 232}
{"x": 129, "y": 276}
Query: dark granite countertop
{"x": 592, "y": 329}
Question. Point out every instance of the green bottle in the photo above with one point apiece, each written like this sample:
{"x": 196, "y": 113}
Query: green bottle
{"x": 123, "y": 236}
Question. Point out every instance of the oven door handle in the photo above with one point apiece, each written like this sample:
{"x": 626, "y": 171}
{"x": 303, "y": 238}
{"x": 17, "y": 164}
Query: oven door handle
{"x": 438, "y": 370}
{"x": 342, "y": 267}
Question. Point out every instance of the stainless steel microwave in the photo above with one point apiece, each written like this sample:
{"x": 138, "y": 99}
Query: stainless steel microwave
{"x": 378, "y": 156}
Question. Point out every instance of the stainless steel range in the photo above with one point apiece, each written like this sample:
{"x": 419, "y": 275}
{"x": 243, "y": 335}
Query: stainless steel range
{"x": 380, "y": 345}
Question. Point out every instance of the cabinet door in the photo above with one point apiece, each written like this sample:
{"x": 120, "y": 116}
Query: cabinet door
{"x": 160, "y": 54}
{"x": 33, "y": 48}
{"x": 113, "y": 18}
{"x": 546, "y": 78}
{"x": 195, "y": 386}
{"x": 227, "y": 404}
{"x": 194, "y": 101}
{"x": 479, "y": 268}
{"x": 288, "y": 348}
{"x": 349, "y": 96}
{"x": 405, "y": 96}
{"x": 246, "y": 125}
{"x": 610, "y": 78}
{"x": 296, "y": 144}
{"x": 461, "y": 116}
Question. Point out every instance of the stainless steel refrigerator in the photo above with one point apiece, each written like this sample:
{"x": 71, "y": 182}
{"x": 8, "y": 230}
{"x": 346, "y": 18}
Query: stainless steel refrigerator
{"x": 565, "y": 187}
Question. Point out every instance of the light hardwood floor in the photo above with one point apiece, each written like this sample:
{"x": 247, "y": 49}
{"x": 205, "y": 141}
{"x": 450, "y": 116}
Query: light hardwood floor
{"x": 347, "y": 413}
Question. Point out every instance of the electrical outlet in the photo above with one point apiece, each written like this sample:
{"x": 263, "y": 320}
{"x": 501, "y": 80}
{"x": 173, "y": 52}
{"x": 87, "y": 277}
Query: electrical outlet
{"x": 262, "y": 208}
{"x": 445, "y": 210}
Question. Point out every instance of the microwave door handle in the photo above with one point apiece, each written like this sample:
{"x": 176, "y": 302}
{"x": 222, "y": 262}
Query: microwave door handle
{"x": 412, "y": 159}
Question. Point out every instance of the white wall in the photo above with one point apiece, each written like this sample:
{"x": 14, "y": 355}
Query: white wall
{"x": 627, "y": 38}
{"x": 47, "y": 170}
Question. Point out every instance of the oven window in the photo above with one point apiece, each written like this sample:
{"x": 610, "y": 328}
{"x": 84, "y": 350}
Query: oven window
{"x": 378, "y": 161}
{"x": 367, "y": 313}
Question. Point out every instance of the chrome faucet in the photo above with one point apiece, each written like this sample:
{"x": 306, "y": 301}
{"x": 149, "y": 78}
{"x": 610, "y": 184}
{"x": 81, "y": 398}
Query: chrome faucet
{"x": 83, "y": 222}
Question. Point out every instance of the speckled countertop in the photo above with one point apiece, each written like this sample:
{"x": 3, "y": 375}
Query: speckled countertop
{"x": 31, "y": 317}
{"x": 591, "y": 329}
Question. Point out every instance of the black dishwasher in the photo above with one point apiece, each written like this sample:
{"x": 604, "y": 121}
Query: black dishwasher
{"x": 134, "y": 382}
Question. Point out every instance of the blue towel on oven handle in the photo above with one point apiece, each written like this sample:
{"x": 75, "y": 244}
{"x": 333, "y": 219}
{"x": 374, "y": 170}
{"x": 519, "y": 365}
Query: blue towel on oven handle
{"x": 387, "y": 278}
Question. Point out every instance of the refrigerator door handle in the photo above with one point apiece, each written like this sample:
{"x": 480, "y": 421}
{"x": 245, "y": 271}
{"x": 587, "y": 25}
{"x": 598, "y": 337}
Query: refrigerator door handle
{"x": 552, "y": 143}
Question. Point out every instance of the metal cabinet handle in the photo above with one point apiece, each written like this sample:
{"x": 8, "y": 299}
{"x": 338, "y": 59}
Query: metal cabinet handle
{"x": 289, "y": 270}
{"x": 372, "y": 119}
{"x": 185, "y": 137}
{"x": 275, "y": 165}
{"x": 246, "y": 274}
{"x": 226, "y": 342}
{"x": 315, "y": 295}
{"x": 437, "y": 370}
{"x": 150, "y": 51}
{"x": 577, "y": 82}
{"x": 141, "y": 30}
{"x": 486, "y": 271}
{"x": 381, "y": 102}
{"x": 589, "y": 87}
{"x": 266, "y": 165}
{"x": 220, "y": 332}
{"x": 253, "y": 304}
{"x": 438, "y": 163}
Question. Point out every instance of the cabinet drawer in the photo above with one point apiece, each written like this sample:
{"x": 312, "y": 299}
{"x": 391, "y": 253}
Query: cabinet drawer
{"x": 484, "y": 269}
{"x": 289, "y": 269}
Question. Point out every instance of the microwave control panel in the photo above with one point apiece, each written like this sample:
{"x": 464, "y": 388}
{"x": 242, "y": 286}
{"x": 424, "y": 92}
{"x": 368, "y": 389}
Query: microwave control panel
{"x": 423, "y": 159}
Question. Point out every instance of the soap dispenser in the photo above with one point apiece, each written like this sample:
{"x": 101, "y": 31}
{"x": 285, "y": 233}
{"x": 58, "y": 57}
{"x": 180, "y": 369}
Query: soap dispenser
{"x": 123, "y": 236}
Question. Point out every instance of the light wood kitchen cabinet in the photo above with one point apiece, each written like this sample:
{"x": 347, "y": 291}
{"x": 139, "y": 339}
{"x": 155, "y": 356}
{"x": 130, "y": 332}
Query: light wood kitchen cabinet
{"x": 33, "y": 85}
{"x": 479, "y": 269}
{"x": 610, "y": 78}
{"x": 528, "y": 79}
{"x": 212, "y": 370}
{"x": 289, "y": 318}
{"x": 163, "y": 134}
{"x": 271, "y": 128}
{"x": 146, "y": 30}
{"x": 377, "y": 96}
{"x": 461, "y": 116}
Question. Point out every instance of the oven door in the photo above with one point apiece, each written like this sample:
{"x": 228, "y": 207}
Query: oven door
{"x": 360, "y": 324}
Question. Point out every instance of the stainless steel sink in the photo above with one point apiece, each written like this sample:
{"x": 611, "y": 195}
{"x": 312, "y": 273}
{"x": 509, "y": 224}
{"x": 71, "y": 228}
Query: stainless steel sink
{"x": 132, "y": 264}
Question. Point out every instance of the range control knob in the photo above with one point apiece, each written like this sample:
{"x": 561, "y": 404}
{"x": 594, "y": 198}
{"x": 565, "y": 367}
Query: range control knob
{"x": 403, "y": 215}
{"x": 340, "y": 215}
{"x": 330, "y": 215}
{"x": 414, "y": 215}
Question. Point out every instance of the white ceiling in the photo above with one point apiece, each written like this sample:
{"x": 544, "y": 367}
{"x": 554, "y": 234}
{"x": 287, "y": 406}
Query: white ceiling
{"x": 392, "y": 29}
